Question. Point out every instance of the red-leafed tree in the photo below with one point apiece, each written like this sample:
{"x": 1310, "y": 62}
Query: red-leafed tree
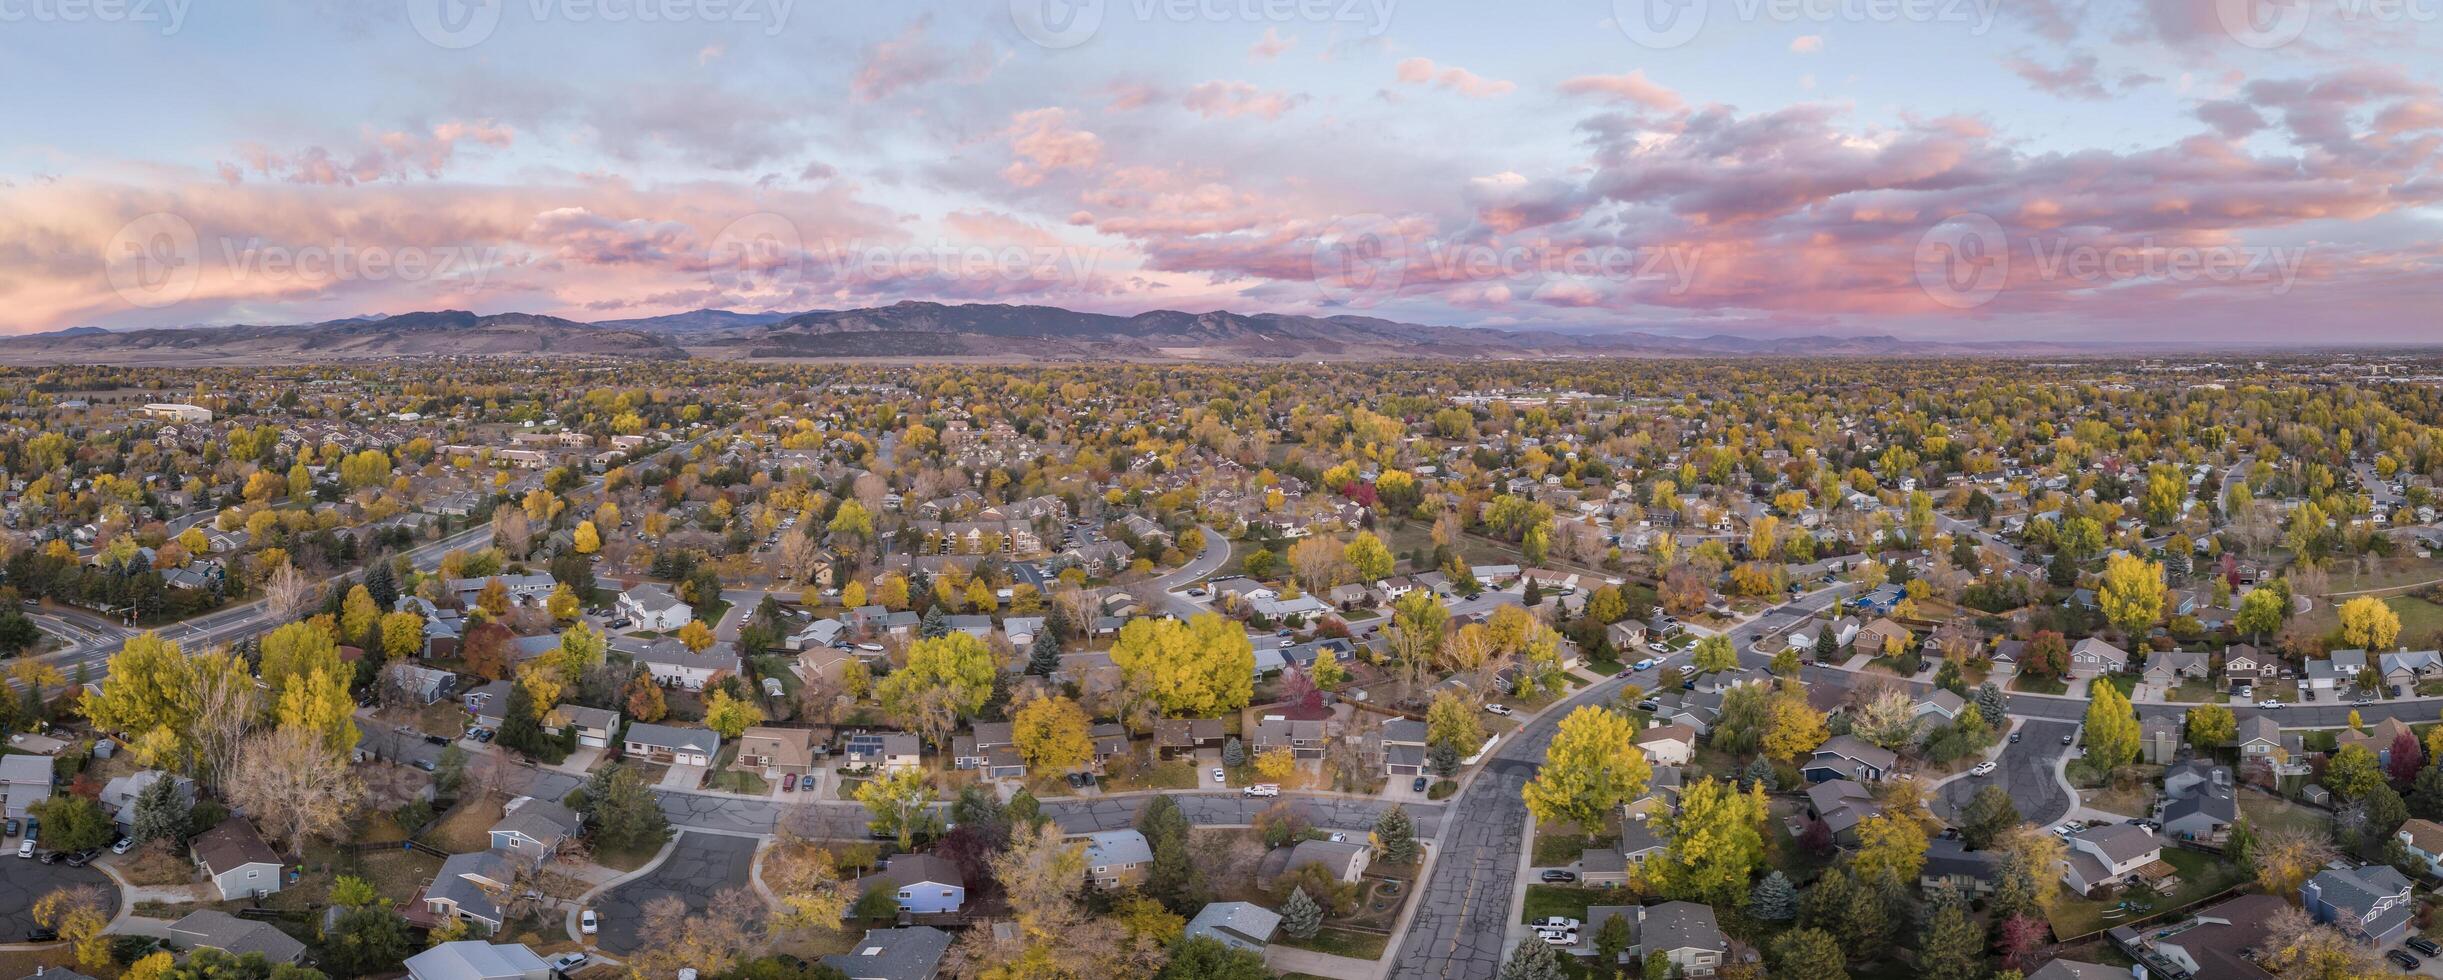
{"x": 2022, "y": 936}
{"x": 2407, "y": 758}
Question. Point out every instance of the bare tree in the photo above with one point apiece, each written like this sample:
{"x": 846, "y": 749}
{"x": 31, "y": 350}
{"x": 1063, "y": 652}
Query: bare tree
{"x": 512, "y": 530}
{"x": 293, "y": 785}
{"x": 225, "y": 698}
{"x": 285, "y": 592}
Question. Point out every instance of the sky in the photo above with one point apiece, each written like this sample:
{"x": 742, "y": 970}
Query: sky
{"x": 2243, "y": 171}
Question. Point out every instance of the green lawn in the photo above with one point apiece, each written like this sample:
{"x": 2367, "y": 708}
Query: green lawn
{"x": 1606, "y": 668}
{"x": 2201, "y": 875}
{"x": 1566, "y": 900}
{"x": 1558, "y": 846}
{"x": 2031, "y": 684}
{"x": 2198, "y": 691}
{"x": 2124, "y": 682}
{"x": 2266, "y": 814}
{"x": 1339, "y": 942}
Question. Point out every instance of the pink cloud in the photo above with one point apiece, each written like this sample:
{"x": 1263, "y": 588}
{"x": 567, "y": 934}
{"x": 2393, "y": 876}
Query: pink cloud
{"x": 911, "y": 60}
{"x": 1421, "y": 71}
{"x": 1807, "y": 44}
{"x": 1272, "y": 45}
{"x": 1632, "y": 87}
{"x": 1045, "y": 140}
{"x": 1233, "y": 99}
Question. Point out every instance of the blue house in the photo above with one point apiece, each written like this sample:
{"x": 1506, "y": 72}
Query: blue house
{"x": 2371, "y": 905}
{"x": 1881, "y": 601}
{"x": 922, "y": 883}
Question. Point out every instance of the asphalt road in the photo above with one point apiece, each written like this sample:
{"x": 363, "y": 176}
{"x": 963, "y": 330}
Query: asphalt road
{"x": 2025, "y": 770}
{"x": 24, "y": 882}
{"x": 701, "y": 866}
{"x": 1461, "y": 926}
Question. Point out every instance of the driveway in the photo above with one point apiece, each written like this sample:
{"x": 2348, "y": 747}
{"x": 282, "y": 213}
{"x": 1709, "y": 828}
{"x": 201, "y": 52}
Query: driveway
{"x": 2026, "y": 773}
{"x": 697, "y": 868}
{"x": 24, "y": 882}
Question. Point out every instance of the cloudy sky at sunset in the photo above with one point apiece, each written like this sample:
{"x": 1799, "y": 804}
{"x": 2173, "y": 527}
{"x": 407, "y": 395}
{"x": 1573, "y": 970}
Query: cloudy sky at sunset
{"x": 2243, "y": 170}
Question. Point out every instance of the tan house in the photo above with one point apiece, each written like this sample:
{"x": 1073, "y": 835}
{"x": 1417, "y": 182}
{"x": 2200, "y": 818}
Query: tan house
{"x": 1667, "y": 745}
{"x": 776, "y": 750}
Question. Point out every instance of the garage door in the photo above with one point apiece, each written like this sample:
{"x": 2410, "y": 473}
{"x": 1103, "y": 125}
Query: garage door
{"x": 594, "y": 741}
{"x": 696, "y": 760}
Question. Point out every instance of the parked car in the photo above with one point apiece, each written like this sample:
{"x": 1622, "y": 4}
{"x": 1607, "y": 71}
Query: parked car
{"x": 1558, "y": 922}
{"x": 1558, "y": 875}
{"x": 586, "y": 923}
{"x": 25, "y": 848}
{"x": 2269, "y": 703}
{"x": 12, "y": 826}
{"x": 567, "y": 961}
{"x": 1499, "y": 709}
{"x": 123, "y": 845}
{"x": 1647, "y": 664}
{"x": 2402, "y": 960}
{"x": 436, "y": 740}
{"x": 788, "y": 782}
{"x": 1419, "y": 784}
{"x": 621, "y": 623}
{"x": 41, "y": 934}
{"x": 1219, "y": 776}
{"x": 1983, "y": 769}
{"x": 2014, "y": 736}
{"x": 79, "y": 859}
{"x": 2069, "y": 738}
{"x": 2424, "y": 946}
{"x": 1556, "y": 937}
{"x": 1263, "y": 789}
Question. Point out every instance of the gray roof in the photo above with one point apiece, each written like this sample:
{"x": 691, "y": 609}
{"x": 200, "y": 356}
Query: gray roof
{"x": 2074, "y": 970}
{"x": 1241, "y": 925}
{"x": 220, "y": 930}
{"x": 541, "y": 820}
{"x": 666, "y": 736}
{"x": 653, "y": 597}
{"x": 27, "y": 769}
{"x": 2120, "y": 841}
{"x": 1946, "y": 857}
{"x": 2214, "y": 802}
{"x": 2358, "y": 890}
{"x": 912, "y": 953}
{"x": 902, "y": 870}
{"x": 1108, "y": 848}
{"x": 721, "y": 655}
{"x": 1853, "y": 747}
{"x": 452, "y": 884}
{"x": 1681, "y": 925}
{"x": 1333, "y": 855}
{"x": 470, "y": 959}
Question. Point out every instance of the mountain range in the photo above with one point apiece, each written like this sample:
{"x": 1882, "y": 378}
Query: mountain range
{"x": 911, "y": 330}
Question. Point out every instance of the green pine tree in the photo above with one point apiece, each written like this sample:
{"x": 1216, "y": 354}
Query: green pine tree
{"x": 1301, "y": 918}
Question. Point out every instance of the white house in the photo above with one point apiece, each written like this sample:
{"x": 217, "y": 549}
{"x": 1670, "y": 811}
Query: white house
{"x": 471, "y": 959}
{"x": 237, "y": 860}
{"x": 671, "y": 744}
{"x": 2108, "y": 855}
{"x": 652, "y": 606}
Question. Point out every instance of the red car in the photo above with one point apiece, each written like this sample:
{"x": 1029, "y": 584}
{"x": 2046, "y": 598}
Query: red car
{"x": 788, "y": 782}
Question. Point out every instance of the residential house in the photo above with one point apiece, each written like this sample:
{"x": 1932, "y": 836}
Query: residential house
{"x": 468, "y": 887}
{"x": 820, "y": 633}
{"x": 471, "y": 959}
{"x": 2171, "y": 667}
{"x": 594, "y": 725}
{"x": 120, "y": 794}
{"x": 2244, "y": 663}
{"x": 2199, "y": 804}
{"x": 1669, "y": 745}
{"x": 672, "y": 744}
{"x": 2108, "y": 856}
{"x": 2424, "y": 839}
{"x": 534, "y": 829}
{"x": 2371, "y": 905}
{"x": 1939, "y": 706}
{"x": 2378, "y": 738}
{"x": 1881, "y": 637}
{"x": 905, "y": 953}
{"x": 24, "y": 781}
{"x": 882, "y": 750}
{"x": 1625, "y": 635}
{"x": 215, "y": 929}
{"x": 1950, "y": 864}
{"x": 775, "y": 751}
{"x": 2261, "y": 739}
{"x": 2406, "y": 668}
{"x": 652, "y": 606}
{"x": 1238, "y": 925}
{"x": 1303, "y": 737}
{"x": 922, "y": 883}
{"x": 237, "y": 860}
{"x": 1841, "y": 805}
{"x": 1639, "y": 842}
{"x": 1602, "y": 867}
{"x": 2212, "y": 945}
{"x": 2075, "y": 970}
{"x": 1180, "y": 737}
{"x": 1404, "y": 745}
{"x": 1115, "y": 858}
{"x": 1849, "y": 757}
{"x": 1346, "y": 860}
{"x": 2158, "y": 740}
{"x": 2093, "y": 656}
{"x": 674, "y": 665}
{"x": 1686, "y": 935}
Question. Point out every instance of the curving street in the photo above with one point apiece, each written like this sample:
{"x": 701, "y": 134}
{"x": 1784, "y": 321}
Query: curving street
{"x": 2025, "y": 770}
